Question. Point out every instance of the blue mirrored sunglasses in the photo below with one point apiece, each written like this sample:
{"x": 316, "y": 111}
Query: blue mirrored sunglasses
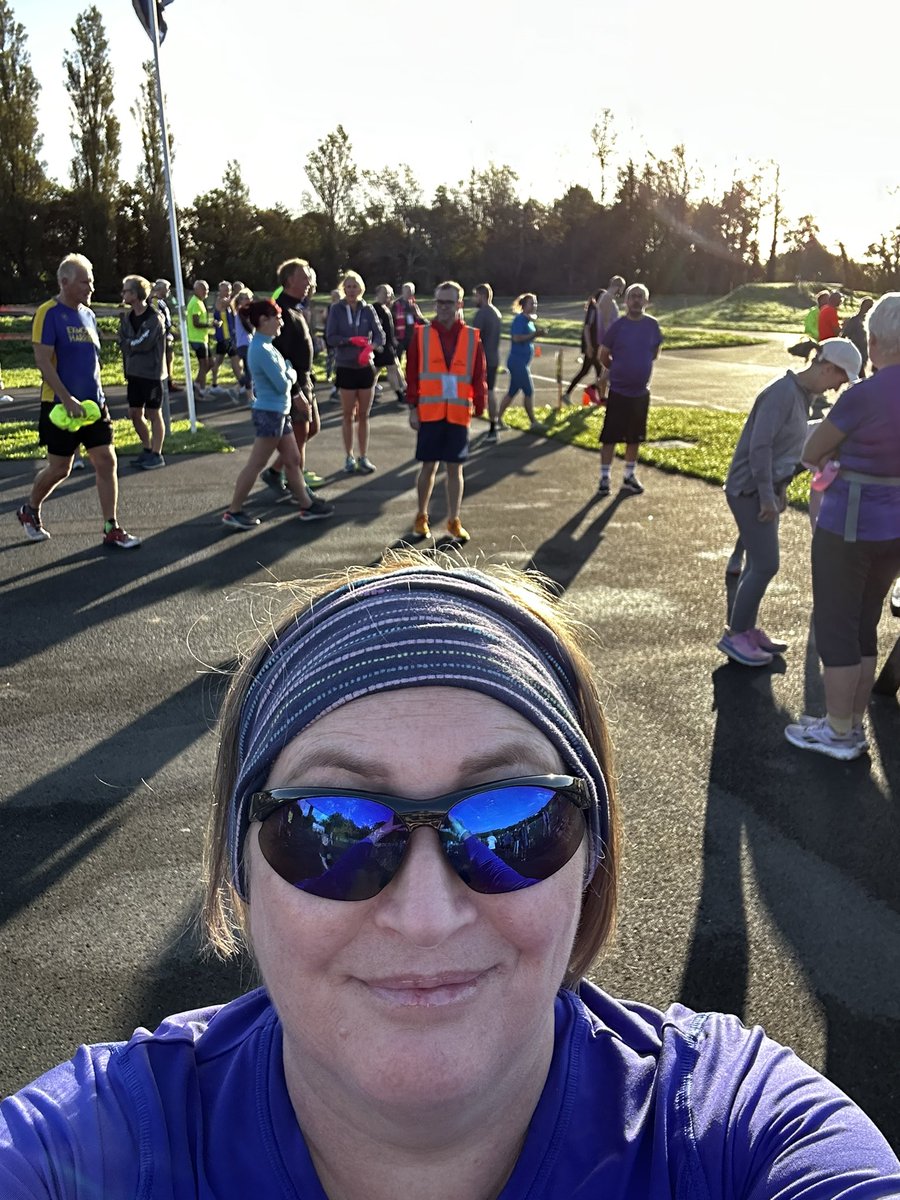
{"x": 344, "y": 844}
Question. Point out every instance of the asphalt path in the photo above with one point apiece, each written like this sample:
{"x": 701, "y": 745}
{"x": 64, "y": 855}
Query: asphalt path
{"x": 758, "y": 879}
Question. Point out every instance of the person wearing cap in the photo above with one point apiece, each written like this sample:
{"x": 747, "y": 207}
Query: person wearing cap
{"x": 764, "y": 462}
{"x": 446, "y": 381}
{"x": 423, "y": 926}
{"x": 856, "y": 544}
{"x": 66, "y": 344}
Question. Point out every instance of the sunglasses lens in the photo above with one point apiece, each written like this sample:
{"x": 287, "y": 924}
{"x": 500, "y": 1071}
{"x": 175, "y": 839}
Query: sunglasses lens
{"x": 337, "y": 847}
{"x": 512, "y": 837}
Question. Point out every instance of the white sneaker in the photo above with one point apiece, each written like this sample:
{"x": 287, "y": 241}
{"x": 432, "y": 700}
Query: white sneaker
{"x": 858, "y": 731}
{"x": 818, "y": 735}
{"x": 6, "y": 400}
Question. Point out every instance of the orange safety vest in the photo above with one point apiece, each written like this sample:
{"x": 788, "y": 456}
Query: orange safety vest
{"x": 434, "y": 376}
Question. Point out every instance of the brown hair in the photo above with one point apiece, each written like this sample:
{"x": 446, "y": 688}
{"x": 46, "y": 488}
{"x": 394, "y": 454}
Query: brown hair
{"x": 251, "y": 314}
{"x": 288, "y": 267}
{"x": 224, "y": 913}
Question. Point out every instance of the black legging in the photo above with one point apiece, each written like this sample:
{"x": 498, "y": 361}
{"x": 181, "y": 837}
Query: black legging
{"x": 587, "y": 362}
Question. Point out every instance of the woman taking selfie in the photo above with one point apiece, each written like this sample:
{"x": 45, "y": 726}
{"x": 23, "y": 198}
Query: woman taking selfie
{"x": 422, "y": 925}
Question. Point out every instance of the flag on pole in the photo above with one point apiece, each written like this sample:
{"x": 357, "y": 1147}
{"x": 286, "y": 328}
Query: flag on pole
{"x": 142, "y": 8}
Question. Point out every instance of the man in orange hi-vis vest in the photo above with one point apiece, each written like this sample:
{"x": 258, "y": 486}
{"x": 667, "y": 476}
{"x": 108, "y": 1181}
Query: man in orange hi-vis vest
{"x": 446, "y": 382}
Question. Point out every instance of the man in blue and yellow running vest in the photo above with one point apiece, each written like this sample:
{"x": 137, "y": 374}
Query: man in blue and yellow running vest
{"x": 446, "y": 382}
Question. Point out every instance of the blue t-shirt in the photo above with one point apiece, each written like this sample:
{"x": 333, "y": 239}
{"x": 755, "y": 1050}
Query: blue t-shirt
{"x": 637, "y": 1105}
{"x": 73, "y": 334}
{"x": 633, "y": 346}
{"x": 521, "y": 353}
{"x": 273, "y": 378}
{"x": 869, "y": 414}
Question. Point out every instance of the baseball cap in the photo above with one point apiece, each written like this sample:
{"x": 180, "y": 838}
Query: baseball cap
{"x": 842, "y": 353}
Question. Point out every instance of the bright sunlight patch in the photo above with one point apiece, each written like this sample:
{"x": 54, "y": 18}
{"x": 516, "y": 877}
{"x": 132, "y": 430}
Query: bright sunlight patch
{"x": 19, "y": 440}
{"x": 693, "y": 441}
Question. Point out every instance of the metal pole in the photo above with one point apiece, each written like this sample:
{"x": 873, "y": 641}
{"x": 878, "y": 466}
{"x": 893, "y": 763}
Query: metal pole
{"x": 173, "y": 226}
{"x": 559, "y": 378}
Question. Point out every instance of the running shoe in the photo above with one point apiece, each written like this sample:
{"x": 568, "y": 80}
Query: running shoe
{"x": 349, "y": 465}
{"x": 272, "y": 479}
{"x": 317, "y": 511}
{"x": 857, "y": 732}
{"x": 334, "y": 394}
{"x": 537, "y": 427}
{"x": 491, "y": 438}
{"x": 117, "y": 536}
{"x": 819, "y": 737}
{"x": 153, "y": 462}
{"x": 312, "y": 479}
{"x": 30, "y": 520}
{"x": 239, "y": 520}
{"x": 140, "y": 460}
{"x": 421, "y": 528}
{"x": 365, "y": 465}
{"x": 77, "y": 463}
{"x": 632, "y": 484}
{"x": 742, "y": 648}
{"x": 770, "y": 645}
{"x": 455, "y": 529}
{"x": 603, "y": 487}
{"x": 6, "y": 400}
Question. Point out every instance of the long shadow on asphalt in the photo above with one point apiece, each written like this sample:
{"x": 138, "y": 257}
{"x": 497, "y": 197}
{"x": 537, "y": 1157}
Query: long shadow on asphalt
{"x": 822, "y": 840}
{"x": 563, "y": 555}
{"x": 46, "y": 831}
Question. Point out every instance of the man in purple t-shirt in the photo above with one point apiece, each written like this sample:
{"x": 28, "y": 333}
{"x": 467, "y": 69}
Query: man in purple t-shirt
{"x": 629, "y": 350}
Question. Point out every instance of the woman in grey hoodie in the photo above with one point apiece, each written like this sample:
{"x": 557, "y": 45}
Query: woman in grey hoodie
{"x": 142, "y": 337}
{"x": 765, "y": 459}
{"x": 353, "y": 332}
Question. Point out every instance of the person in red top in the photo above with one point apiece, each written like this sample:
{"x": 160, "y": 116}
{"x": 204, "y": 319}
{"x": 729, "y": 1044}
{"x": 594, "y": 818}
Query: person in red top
{"x": 446, "y": 379}
{"x": 829, "y": 321}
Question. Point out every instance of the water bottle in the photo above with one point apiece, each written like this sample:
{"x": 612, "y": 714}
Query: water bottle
{"x": 826, "y": 476}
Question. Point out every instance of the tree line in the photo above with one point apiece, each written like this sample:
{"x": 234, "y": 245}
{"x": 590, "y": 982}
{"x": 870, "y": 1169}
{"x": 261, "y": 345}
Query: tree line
{"x": 647, "y": 219}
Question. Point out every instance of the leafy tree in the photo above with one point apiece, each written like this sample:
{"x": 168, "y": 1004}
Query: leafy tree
{"x": 95, "y": 139}
{"x": 148, "y": 208}
{"x": 219, "y": 230}
{"x": 334, "y": 176}
{"x": 24, "y": 188}
{"x": 604, "y": 138}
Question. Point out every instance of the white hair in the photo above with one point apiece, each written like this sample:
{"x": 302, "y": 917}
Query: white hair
{"x": 884, "y": 323}
{"x": 638, "y": 287}
{"x": 68, "y": 268}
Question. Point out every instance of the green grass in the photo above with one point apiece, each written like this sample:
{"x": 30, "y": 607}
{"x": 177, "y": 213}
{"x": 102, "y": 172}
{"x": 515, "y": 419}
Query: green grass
{"x": 712, "y": 436}
{"x": 777, "y": 307}
{"x": 18, "y": 440}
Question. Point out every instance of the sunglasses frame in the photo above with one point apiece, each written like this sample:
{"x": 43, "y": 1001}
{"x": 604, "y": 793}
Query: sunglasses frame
{"x": 417, "y": 813}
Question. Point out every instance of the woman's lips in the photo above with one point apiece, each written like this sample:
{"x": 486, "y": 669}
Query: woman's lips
{"x": 427, "y": 991}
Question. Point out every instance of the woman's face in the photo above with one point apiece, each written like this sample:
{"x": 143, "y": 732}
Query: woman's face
{"x": 271, "y": 325}
{"x": 352, "y": 290}
{"x": 428, "y": 992}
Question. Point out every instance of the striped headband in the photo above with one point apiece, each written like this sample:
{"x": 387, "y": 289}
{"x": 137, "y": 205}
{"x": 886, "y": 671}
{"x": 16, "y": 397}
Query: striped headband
{"x": 416, "y": 627}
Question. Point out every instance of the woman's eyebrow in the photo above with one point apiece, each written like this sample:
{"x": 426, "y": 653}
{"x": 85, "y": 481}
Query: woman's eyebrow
{"x": 509, "y": 754}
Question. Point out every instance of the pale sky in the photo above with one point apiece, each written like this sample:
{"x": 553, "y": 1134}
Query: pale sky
{"x": 518, "y": 83}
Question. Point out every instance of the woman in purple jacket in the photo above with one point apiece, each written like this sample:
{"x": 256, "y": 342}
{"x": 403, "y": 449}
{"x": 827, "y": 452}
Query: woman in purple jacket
{"x": 856, "y": 544}
{"x": 422, "y": 923}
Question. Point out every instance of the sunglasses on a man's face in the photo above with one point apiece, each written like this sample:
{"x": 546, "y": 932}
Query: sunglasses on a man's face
{"x": 344, "y": 844}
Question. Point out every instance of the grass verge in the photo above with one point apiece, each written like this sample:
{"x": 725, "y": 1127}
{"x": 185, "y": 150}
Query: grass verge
{"x": 18, "y": 440}
{"x": 708, "y": 438}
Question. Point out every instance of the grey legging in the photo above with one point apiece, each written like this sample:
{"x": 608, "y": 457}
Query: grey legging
{"x": 760, "y": 540}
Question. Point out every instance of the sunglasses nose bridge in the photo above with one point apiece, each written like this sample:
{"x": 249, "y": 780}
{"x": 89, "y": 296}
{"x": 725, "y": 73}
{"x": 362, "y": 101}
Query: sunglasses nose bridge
{"x": 426, "y": 817}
